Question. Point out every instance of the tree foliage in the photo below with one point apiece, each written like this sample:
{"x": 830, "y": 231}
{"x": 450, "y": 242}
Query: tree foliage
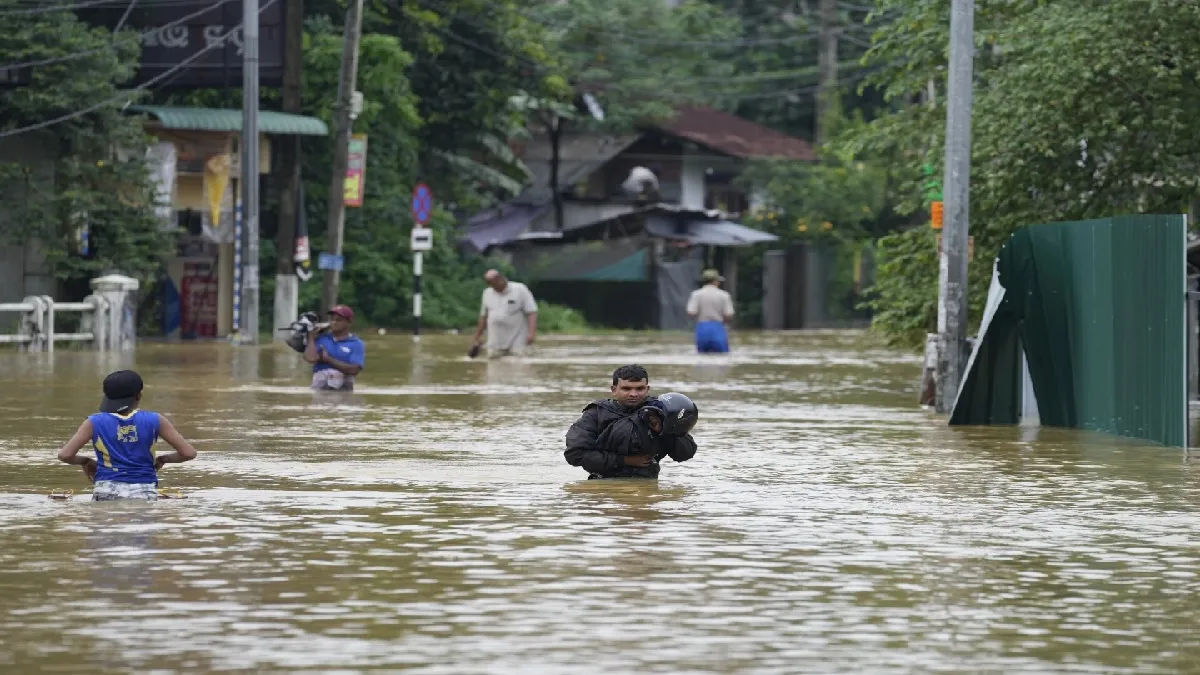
{"x": 84, "y": 174}
{"x": 1081, "y": 110}
{"x": 640, "y": 59}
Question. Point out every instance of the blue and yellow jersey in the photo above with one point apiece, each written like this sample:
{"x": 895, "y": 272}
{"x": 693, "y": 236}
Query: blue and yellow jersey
{"x": 125, "y": 446}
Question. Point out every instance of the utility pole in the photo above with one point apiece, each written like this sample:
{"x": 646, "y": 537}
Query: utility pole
{"x": 287, "y": 286}
{"x": 952, "y": 263}
{"x": 341, "y": 147}
{"x": 250, "y": 285}
{"x": 827, "y": 67}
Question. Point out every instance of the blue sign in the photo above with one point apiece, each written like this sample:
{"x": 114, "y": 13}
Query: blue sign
{"x": 329, "y": 261}
{"x": 422, "y": 204}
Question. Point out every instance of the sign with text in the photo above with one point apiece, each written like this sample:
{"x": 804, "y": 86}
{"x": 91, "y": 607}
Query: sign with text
{"x": 356, "y": 171}
{"x": 173, "y": 32}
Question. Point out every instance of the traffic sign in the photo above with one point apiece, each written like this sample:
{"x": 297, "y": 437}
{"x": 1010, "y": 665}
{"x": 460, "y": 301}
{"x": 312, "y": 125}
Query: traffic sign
{"x": 329, "y": 261}
{"x": 421, "y": 239}
{"x": 422, "y": 204}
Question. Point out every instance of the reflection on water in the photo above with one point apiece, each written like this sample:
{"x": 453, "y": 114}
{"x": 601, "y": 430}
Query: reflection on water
{"x": 427, "y": 522}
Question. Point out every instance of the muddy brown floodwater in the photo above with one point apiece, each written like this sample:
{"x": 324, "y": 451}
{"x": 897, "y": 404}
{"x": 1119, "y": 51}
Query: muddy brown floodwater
{"x": 429, "y": 524}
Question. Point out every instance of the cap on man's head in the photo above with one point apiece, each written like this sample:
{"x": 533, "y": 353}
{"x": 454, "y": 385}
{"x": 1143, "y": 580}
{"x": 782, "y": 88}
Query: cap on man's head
{"x": 343, "y": 311}
{"x": 711, "y": 275}
{"x": 121, "y": 390}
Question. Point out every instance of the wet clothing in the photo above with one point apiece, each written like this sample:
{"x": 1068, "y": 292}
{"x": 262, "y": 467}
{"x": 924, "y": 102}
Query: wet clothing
{"x": 507, "y": 318}
{"x": 711, "y": 307}
{"x": 710, "y": 303}
{"x": 110, "y": 490}
{"x": 124, "y": 446}
{"x": 607, "y": 432}
{"x": 711, "y": 337}
{"x": 349, "y": 349}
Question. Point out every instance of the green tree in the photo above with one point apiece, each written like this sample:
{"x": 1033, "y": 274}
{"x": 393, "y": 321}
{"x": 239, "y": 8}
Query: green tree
{"x": 86, "y": 172}
{"x": 469, "y": 58}
{"x": 640, "y": 59}
{"x": 1081, "y": 110}
{"x": 775, "y": 63}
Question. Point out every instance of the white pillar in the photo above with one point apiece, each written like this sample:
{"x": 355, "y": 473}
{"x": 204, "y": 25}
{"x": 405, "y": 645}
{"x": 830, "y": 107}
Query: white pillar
{"x": 287, "y": 303}
{"x": 691, "y": 181}
{"x": 118, "y": 291}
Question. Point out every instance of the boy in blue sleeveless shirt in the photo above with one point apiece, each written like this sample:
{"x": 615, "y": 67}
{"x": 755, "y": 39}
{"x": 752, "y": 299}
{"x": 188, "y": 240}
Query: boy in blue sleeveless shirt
{"x": 123, "y": 437}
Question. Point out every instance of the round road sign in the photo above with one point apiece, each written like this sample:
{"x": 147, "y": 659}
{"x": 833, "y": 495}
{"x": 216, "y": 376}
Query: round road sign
{"x": 422, "y": 204}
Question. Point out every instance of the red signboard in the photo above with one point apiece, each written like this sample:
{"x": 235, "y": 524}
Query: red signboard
{"x": 198, "y": 302}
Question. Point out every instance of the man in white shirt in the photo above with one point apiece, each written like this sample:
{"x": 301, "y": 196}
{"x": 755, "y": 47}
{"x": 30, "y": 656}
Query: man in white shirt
{"x": 712, "y": 309}
{"x": 508, "y": 313}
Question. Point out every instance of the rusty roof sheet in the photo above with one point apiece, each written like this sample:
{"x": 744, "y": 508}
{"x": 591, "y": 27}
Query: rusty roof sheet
{"x": 735, "y": 136}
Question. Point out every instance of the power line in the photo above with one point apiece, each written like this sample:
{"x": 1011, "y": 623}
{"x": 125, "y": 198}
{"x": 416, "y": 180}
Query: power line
{"x": 44, "y": 9}
{"x": 128, "y": 39}
{"x": 38, "y": 7}
{"x": 771, "y": 94}
{"x": 631, "y": 37}
{"x": 127, "y": 94}
{"x": 125, "y": 16}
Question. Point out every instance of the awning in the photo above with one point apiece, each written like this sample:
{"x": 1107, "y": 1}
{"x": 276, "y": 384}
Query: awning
{"x": 710, "y": 233}
{"x": 499, "y": 227}
{"x": 219, "y": 119}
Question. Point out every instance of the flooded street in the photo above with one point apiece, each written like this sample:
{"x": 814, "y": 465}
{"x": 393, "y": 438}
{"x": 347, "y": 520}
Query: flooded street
{"x": 428, "y": 523}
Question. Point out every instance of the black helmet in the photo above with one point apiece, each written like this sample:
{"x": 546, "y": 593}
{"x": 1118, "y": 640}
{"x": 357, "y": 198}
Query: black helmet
{"x": 679, "y": 413}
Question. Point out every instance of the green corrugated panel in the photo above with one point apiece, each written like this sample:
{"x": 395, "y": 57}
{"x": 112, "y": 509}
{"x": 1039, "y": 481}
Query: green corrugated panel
{"x": 216, "y": 119}
{"x": 1100, "y": 307}
{"x": 632, "y": 268}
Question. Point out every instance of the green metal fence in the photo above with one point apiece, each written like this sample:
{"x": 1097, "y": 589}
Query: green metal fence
{"x": 1098, "y": 308}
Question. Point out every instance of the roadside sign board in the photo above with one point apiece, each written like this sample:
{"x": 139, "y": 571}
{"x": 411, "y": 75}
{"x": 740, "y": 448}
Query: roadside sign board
{"x": 422, "y": 204}
{"x": 354, "y": 188}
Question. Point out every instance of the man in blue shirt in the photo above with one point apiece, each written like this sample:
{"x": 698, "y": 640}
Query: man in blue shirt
{"x": 337, "y": 354}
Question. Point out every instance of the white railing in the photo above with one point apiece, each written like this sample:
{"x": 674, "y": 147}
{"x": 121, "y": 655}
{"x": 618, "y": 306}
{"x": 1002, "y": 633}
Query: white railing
{"x": 36, "y": 330}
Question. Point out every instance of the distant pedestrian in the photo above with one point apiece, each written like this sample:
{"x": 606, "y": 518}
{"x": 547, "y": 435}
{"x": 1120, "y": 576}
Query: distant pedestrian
{"x": 712, "y": 309}
{"x": 337, "y": 354}
{"x": 508, "y": 313}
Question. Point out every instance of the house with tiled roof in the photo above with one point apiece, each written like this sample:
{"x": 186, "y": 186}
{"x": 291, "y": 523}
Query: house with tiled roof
{"x": 612, "y": 246}
{"x": 696, "y": 157}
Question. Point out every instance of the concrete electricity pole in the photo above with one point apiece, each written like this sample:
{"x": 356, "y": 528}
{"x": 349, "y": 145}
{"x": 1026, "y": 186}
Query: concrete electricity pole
{"x": 341, "y": 146}
{"x": 952, "y": 263}
{"x": 287, "y": 285}
{"x": 250, "y": 285}
{"x": 827, "y": 67}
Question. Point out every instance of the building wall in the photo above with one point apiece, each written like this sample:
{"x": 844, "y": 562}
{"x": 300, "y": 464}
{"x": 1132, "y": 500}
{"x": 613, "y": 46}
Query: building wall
{"x": 197, "y": 254}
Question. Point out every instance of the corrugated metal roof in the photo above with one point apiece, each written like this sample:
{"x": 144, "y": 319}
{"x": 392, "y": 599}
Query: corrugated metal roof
{"x": 579, "y": 157}
{"x": 703, "y": 232}
{"x": 735, "y": 136}
{"x": 219, "y": 119}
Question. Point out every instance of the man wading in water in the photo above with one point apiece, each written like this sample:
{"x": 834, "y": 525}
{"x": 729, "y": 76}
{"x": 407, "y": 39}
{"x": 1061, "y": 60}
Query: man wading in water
{"x": 508, "y": 313}
{"x": 337, "y": 354}
{"x": 625, "y": 436}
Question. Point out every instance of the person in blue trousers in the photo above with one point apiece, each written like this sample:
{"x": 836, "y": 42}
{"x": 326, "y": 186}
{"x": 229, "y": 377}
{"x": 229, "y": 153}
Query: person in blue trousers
{"x": 712, "y": 309}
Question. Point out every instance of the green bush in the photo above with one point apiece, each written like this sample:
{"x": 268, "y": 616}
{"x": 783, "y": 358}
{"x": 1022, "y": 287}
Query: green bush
{"x": 559, "y": 319}
{"x": 904, "y": 295}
